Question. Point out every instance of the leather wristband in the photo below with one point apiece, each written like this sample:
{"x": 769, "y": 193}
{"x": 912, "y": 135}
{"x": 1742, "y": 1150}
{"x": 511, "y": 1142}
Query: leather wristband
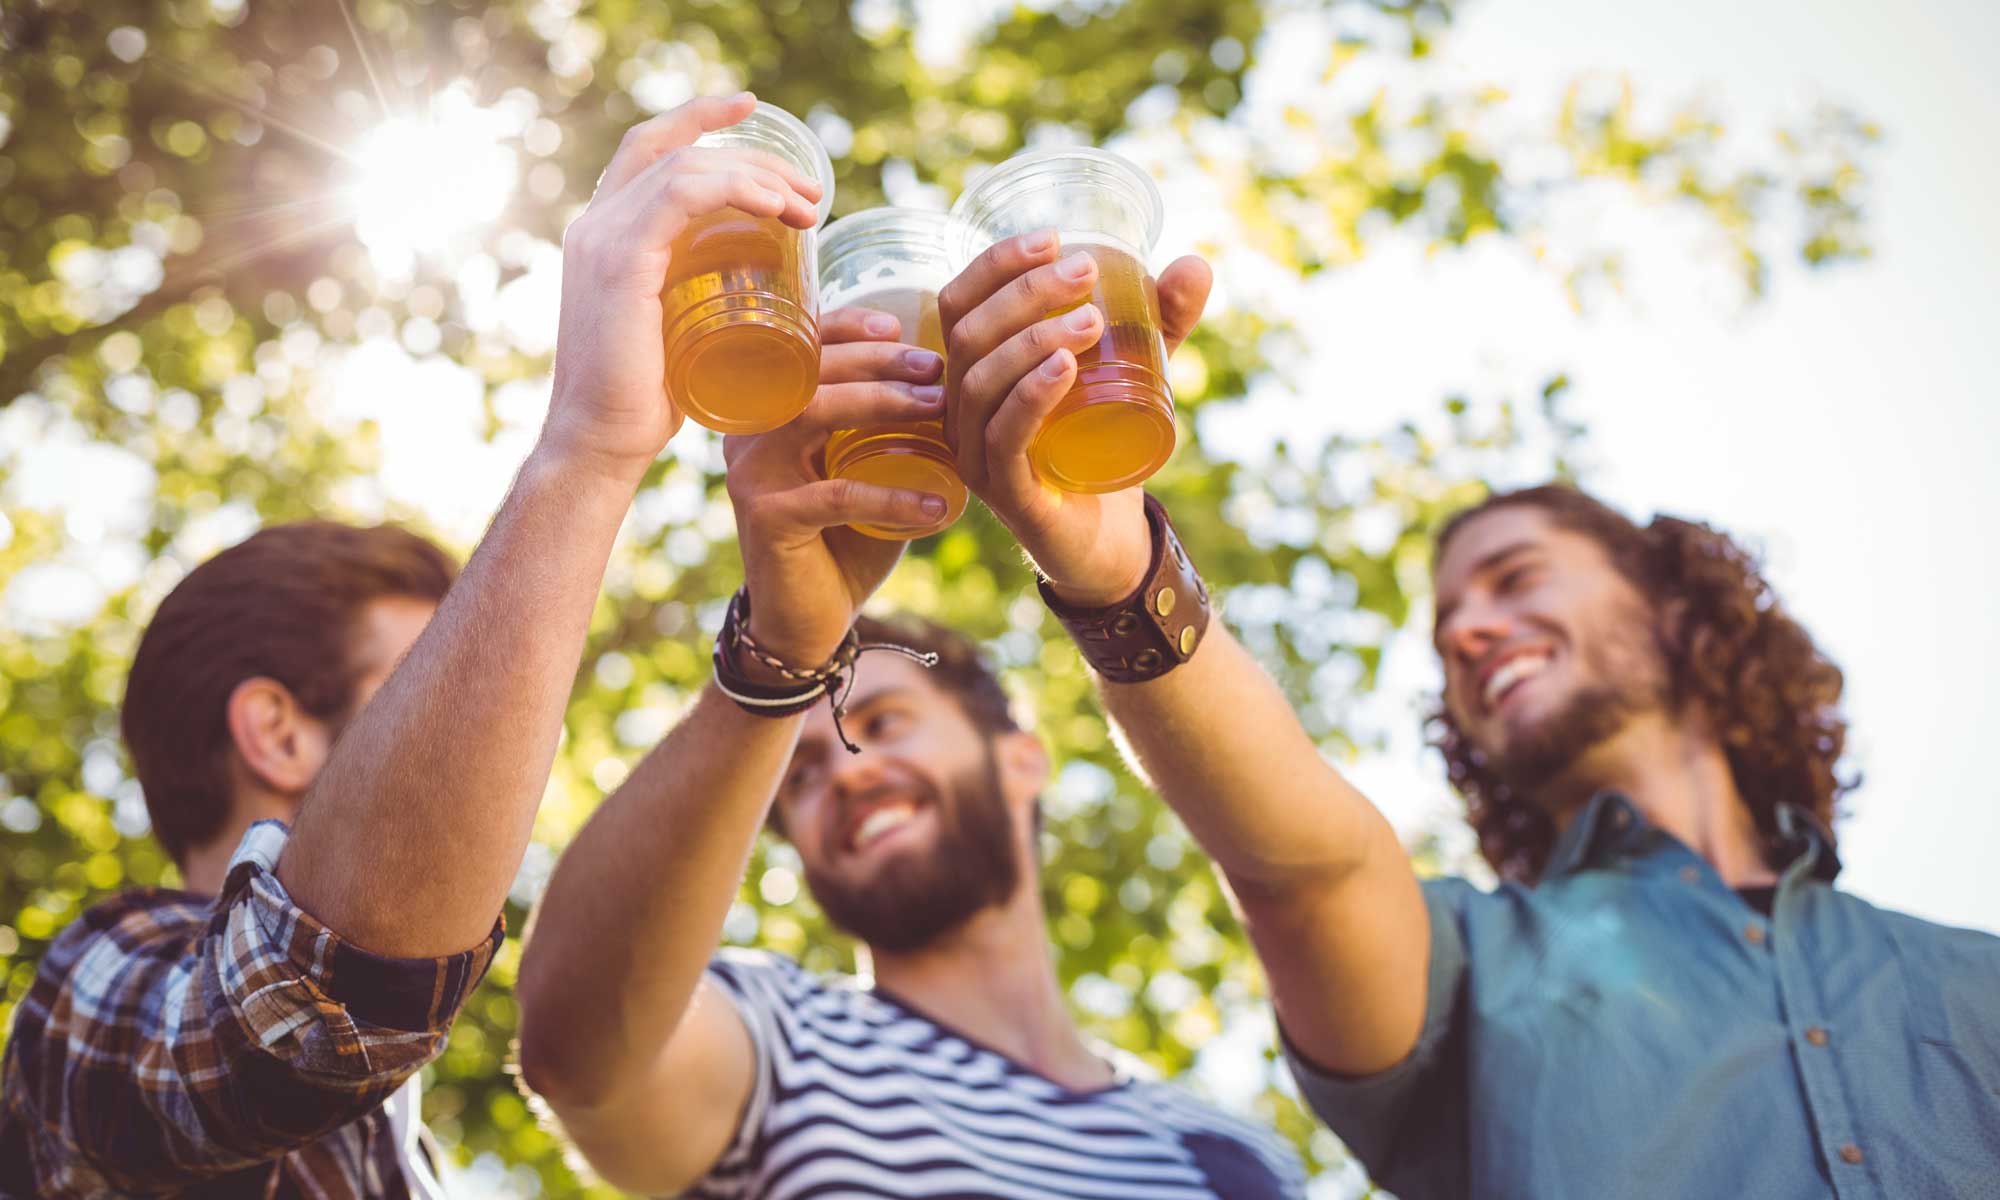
{"x": 1151, "y": 631}
{"x": 833, "y": 681}
{"x": 768, "y": 699}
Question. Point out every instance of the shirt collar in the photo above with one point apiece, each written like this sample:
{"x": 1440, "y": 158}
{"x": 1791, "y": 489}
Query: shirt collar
{"x": 1610, "y": 823}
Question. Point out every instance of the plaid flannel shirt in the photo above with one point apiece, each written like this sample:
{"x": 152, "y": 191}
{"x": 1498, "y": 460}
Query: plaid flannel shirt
{"x": 177, "y": 1045}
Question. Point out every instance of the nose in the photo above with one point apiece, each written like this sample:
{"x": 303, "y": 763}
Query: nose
{"x": 1475, "y": 627}
{"x": 851, "y": 775}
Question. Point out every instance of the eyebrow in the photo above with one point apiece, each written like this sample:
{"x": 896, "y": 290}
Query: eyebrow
{"x": 1492, "y": 560}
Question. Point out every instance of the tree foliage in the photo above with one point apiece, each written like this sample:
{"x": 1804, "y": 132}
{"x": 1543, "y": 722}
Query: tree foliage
{"x": 183, "y": 298}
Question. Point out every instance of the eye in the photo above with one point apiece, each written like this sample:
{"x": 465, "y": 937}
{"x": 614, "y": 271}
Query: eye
{"x": 882, "y": 723}
{"x": 800, "y": 777}
{"x": 1518, "y": 577}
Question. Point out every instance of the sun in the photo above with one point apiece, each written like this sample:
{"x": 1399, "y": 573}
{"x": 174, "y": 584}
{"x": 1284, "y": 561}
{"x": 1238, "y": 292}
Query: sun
{"x": 423, "y": 182}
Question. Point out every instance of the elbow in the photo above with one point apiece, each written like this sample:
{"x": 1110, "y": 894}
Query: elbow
{"x": 547, "y": 1058}
{"x": 543, "y": 1065}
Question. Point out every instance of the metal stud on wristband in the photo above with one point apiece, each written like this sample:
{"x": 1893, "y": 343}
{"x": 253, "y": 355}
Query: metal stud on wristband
{"x": 834, "y": 680}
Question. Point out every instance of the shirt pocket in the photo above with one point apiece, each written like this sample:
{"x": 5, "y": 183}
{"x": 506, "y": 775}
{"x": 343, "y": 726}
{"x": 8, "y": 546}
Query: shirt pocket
{"x": 1945, "y": 1019}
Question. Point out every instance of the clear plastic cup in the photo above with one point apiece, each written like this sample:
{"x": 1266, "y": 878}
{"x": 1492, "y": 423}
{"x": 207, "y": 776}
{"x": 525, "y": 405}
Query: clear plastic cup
{"x": 1116, "y": 425}
{"x": 741, "y": 301}
{"x": 893, "y": 260}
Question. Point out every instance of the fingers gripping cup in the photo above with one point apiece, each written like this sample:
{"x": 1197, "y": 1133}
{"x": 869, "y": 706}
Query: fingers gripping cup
{"x": 1116, "y": 425}
{"x": 741, "y": 302}
{"x": 893, "y": 260}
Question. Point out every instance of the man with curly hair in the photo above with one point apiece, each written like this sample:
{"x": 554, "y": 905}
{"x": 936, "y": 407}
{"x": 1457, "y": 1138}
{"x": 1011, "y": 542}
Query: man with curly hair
{"x": 1666, "y": 996}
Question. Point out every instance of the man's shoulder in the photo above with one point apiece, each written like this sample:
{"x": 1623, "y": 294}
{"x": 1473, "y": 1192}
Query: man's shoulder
{"x": 743, "y": 965}
{"x": 1179, "y": 1108}
{"x": 1971, "y": 946}
{"x": 767, "y": 977}
{"x": 158, "y": 923}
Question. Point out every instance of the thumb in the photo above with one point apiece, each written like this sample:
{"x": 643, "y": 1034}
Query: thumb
{"x": 1184, "y": 288}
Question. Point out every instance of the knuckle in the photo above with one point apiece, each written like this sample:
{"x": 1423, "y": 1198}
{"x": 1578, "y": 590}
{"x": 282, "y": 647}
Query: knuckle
{"x": 1042, "y": 286}
{"x": 974, "y": 384}
{"x": 842, "y": 495}
{"x": 958, "y": 344}
{"x": 1041, "y": 338}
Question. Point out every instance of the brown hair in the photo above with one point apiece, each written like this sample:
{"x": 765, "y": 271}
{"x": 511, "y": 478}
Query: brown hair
{"x": 1773, "y": 697}
{"x": 284, "y": 604}
{"x": 960, "y": 671}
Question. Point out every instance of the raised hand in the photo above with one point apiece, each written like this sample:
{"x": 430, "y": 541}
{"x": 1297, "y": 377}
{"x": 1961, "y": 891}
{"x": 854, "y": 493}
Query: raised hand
{"x": 1010, "y": 363}
{"x": 807, "y": 574}
{"x": 610, "y": 408}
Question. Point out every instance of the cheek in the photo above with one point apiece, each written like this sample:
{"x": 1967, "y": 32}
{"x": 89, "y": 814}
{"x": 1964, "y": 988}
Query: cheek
{"x": 1455, "y": 706}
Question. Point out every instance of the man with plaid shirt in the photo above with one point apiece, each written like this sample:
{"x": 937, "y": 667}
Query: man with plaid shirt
{"x": 221, "y": 1037}
{"x": 257, "y": 1034}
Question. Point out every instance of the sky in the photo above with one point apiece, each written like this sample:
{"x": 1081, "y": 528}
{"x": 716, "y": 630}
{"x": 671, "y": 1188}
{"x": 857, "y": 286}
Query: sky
{"x": 1847, "y": 424}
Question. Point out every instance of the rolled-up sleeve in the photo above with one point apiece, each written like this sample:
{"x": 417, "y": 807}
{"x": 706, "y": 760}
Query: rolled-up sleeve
{"x": 1414, "y": 1105}
{"x": 161, "y": 1044}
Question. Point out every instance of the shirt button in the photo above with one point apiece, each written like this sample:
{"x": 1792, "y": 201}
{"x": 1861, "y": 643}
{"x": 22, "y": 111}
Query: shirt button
{"x": 1850, "y": 1154}
{"x": 1816, "y": 1035}
{"x": 1690, "y": 874}
{"x": 1755, "y": 933}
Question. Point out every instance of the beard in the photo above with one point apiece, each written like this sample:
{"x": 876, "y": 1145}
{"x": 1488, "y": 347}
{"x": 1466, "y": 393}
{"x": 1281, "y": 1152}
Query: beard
{"x": 915, "y": 898}
{"x": 1627, "y": 673}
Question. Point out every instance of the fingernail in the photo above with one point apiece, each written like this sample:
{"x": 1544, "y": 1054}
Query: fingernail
{"x": 1055, "y": 366}
{"x": 744, "y": 95}
{"x": 1038, "y": 241}
{"x": 922, "y": 361}
{"x": 1080, "y": 320}
{"x": 930, "y": 395}
{"x": 882, "y": 325}
{"x": 1076, "y": 266}
{"x": 933, "y": 506}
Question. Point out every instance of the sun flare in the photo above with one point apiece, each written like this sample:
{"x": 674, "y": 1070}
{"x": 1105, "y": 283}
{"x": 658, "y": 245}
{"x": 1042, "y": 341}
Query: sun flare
{"x": 423, "y": 182}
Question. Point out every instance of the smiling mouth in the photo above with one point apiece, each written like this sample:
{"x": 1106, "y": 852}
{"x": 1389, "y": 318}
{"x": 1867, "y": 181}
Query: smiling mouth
{"x": 880, "y": 824}
{"x": 1511, "y": 674}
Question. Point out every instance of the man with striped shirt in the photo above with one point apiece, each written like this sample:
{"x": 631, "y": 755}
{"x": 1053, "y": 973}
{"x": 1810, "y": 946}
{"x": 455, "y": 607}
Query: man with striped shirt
{"x": 957, "y": 1071}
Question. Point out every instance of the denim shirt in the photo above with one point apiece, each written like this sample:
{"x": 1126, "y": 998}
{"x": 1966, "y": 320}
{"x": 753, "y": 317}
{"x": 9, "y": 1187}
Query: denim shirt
{"x": 1631, "y": 1028}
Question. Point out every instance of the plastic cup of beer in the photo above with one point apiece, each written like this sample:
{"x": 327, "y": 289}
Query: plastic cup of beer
{"x": 1116, "y": 425}
{"x": 741, "y": 301}
{"x": 893, "y": 260}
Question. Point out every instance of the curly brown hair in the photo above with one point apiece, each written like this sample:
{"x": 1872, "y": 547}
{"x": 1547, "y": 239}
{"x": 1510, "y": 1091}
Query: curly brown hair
{"x": 1773, "y": 697}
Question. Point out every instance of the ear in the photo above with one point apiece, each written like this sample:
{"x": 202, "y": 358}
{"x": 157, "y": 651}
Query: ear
{"x": 1024, "y": 763}
{"x": 281, "y": 744}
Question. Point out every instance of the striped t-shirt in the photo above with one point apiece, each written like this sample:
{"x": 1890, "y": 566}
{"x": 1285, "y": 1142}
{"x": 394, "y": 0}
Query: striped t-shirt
{"x": 857, "y": 1094}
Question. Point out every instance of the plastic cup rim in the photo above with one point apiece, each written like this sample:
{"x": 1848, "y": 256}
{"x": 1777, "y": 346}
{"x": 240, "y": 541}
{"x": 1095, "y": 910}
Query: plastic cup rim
{"x": 1013, "y": 171}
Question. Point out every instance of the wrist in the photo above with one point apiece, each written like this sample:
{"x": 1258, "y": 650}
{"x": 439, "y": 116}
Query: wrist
{"x": 574, "y": 460}
{"x": 581, "y": 487}
{"x": 808, "y": 654}
{"x": 1149, "y": 629}
{"x": 1108, "y": 587}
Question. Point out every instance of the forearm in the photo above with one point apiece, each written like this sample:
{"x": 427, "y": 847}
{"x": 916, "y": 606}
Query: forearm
{"x": 415, "y": 828}
{"x": 1325, "y": 890}
{"x": 635, "y": 907}
{"x": 1224, "y": 748}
